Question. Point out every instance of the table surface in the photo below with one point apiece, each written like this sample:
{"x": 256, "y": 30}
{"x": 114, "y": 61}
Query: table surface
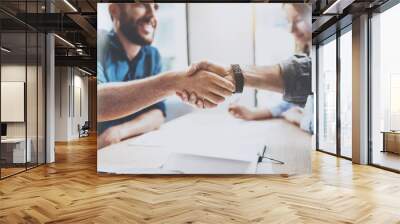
{"x": 211, "y": 142}
{"x": 390, "y": 132}
{"x": 13, "y": 140}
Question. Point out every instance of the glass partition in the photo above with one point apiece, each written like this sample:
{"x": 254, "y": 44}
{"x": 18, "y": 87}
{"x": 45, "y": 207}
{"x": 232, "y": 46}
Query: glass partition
{"x": 346, "y": 94}
{"x": 13, "y": 94}
{"x": 327, "y": 96}
{"x": 22, "y": 89}
{"x": 31, "y": 98}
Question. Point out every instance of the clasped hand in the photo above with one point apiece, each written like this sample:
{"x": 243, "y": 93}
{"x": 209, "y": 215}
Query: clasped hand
{"x": 206, "y": 85}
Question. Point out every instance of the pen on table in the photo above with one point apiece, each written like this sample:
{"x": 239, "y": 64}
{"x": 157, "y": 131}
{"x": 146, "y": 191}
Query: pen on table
{"x": 260, "y": 157}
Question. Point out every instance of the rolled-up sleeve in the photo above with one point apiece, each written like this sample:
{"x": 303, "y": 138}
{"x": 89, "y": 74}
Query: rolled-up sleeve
{"x": 282, "y": 107}
{"x": 296, "y": 73}
{"x": 307, "y": 123}
{"x": 101, "y": 77}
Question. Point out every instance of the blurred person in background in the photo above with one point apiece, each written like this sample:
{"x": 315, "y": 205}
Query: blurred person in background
{"x": 291, "y": 77}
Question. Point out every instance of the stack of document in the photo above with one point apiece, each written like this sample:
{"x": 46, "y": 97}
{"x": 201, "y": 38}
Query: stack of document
{"x": 210, "y": 135}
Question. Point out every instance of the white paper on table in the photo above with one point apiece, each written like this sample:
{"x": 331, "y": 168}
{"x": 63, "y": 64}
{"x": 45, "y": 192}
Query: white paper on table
{"x": 141, "y": 158}
{"x": 212, "y": 135}
{"x": 182, "y": 163}
{"x": 246, "y": 153}
{"x": 218, "y": 126}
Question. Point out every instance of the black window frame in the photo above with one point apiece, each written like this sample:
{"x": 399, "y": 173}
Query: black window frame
{"x": 342, "y": 27}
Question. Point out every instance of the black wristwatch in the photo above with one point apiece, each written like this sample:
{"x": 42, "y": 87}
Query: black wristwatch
{"x": 239, "y": 78}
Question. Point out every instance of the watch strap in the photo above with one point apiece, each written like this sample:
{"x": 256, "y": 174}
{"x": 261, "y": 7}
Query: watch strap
{"x": 239, "y": 78}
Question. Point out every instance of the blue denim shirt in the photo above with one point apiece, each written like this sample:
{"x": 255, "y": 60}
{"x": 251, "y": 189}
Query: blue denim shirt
{"x": 307, "y": 122}
{"x": 114, "y": 66}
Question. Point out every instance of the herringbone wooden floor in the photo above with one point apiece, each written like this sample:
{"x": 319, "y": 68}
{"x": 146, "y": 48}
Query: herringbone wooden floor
{"x": 70, "y": 191}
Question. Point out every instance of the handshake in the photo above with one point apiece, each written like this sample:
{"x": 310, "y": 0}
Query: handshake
{"x": 205, "y": 84}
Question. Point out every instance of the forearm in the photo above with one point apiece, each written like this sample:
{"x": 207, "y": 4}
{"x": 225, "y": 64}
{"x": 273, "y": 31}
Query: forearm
{"x": 118, "y": 100}
{"x": 260, "y": 77}
{"x": 263, "y": 77}
{"x": 144, "y": 123}
{"x": 294, "y": 120}
{"x": 261, "y": 114}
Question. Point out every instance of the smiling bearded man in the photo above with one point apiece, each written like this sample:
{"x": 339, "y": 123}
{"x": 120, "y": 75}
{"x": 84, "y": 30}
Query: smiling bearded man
{"x": 125, "y": 54}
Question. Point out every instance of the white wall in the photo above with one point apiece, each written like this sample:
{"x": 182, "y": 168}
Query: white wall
{"x": 61, "y": 103}
{"x": 224, "y": 33}
{"x": 68, "y": 82}
{"x": 221, "y": 32}
{"x": 80, "y": 83}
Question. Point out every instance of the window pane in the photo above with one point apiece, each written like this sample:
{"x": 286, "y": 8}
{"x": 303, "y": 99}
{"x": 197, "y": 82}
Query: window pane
{"x": 327, "y": 97}
{"x": 346, "y": 94}
{"x": 385, "y": 84}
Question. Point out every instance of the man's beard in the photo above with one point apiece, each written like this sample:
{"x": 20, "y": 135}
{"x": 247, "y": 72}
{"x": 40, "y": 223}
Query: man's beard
{"x": 130, "y": 30}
